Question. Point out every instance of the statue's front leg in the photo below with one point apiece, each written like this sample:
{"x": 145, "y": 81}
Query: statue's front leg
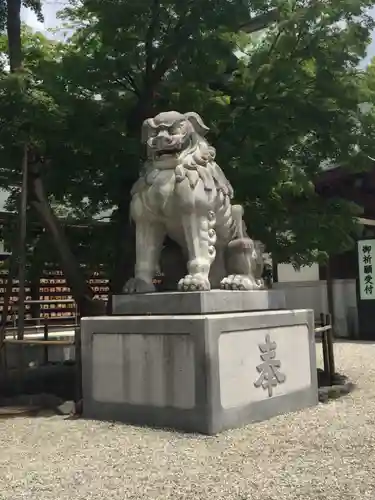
{"x": 150, "y": 236}
{"x": 200, "y": 238}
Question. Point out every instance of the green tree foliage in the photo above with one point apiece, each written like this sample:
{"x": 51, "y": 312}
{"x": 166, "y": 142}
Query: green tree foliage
{"x": 280, "y": 105}
{"x": 10, "y": 20}
{"x": 278, "y": 113}
{"x": 31, "y": 117}
{"x": 15, "y": 6}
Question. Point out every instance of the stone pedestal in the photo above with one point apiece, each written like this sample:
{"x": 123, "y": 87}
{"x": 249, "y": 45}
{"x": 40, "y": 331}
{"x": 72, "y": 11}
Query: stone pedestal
{"x": 215, "y": 301}
{"x": 228, "y": 362}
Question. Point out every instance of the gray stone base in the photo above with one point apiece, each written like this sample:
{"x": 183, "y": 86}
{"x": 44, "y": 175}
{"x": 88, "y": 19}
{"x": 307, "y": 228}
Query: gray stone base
{"x": 199, "y": 373}
{"x": 214, "y": 301}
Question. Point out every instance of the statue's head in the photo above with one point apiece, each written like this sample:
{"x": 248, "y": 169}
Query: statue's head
{"x": 171, "y": 133}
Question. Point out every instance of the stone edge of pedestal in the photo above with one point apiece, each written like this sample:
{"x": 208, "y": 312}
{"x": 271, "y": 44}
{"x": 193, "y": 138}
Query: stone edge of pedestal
{"x": 207, "y": 418}
{"x": 263, "y": 410}
{"x": 212, "y": 302}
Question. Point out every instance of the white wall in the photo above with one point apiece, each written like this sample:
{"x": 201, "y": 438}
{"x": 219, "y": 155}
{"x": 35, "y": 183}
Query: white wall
{"x": 313, "y": 295}
{"x": 4, "y": 195}
{"x": 286, "y": 273}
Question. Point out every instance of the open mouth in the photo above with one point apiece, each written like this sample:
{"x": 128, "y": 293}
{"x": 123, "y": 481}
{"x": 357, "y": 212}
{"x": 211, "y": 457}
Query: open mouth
{"x": 168, "y": 152}
{"x": 175, "y": 150}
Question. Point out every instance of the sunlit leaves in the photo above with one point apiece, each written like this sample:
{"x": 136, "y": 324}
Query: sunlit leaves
{"x": 280, "y": 104}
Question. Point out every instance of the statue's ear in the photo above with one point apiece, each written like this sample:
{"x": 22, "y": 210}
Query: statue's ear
{"x": 145, "y": 132}
{"x": 197, "y": 123}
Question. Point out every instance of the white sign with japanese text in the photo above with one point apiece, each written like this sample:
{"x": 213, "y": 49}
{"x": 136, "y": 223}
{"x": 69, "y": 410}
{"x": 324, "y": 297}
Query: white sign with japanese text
{"x": 366, "y": 265}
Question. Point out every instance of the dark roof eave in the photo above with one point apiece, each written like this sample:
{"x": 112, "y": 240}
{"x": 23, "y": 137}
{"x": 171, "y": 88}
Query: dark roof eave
{"x": 7, "y": 216}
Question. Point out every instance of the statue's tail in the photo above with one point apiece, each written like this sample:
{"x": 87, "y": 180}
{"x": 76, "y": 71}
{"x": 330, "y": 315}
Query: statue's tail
{"x": 242, "y": 252}
{"x": 237, "y": 214}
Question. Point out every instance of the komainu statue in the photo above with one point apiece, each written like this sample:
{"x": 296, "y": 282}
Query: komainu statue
{"x": 182, "y": 193}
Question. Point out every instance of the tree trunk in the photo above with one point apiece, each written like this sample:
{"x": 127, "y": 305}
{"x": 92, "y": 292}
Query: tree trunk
{"x": 15, "y": 63}
{"x": 81, "y": 292}
{"x": 14, "y": 34}
{"x": 124, "y": 249}
{"x": 124, "y": 237}
{"x": 22, "y": 248}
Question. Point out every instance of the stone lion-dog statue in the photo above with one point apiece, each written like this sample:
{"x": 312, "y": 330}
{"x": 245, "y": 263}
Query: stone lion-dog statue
{"x": 182, "y": 193}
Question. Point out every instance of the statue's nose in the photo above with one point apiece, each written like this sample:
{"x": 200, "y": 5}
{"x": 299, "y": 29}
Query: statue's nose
{"x": 164, "y": 138}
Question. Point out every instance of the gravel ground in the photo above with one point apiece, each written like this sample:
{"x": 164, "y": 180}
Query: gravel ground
{"x": 324, "y": 452}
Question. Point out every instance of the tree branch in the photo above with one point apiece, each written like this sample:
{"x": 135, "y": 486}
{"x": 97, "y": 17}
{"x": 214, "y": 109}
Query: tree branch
{"x": 182, "y": 31}
{"x": 129, "y": 84}
{"x": 260, "y": 22}
{"x": 170, "y": 53}
{"x": 131, "y": 80}
{"x": 150, "y": 38}
{"x": 82, "y": 293}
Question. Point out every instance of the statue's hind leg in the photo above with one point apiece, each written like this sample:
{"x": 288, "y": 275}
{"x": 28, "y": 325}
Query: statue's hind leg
{"x": 241, "y": 257}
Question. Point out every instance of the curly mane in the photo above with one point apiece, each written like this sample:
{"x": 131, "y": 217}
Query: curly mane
{"x": 197, "y": 163}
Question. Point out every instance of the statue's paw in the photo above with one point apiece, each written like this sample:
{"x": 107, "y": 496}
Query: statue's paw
{"x": 239, "y": 282}
{"x": 194, "y": 283}
{"x": 260, "y": 283}
{"x": 137, "y": 285}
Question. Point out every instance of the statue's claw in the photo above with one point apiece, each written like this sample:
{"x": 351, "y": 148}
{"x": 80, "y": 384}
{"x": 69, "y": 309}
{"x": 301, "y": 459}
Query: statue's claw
{"x": 240, "y": 282}
{"x": 194, "y": 283}
{"x": 137, "y": 285}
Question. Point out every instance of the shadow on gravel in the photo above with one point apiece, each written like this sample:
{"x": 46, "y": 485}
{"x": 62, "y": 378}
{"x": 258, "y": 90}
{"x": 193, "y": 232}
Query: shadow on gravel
{"x": 40, "y": 391}
{"x": 349, "y": 341}
{"x": 50, "y": 390}
{"x": 340, "y": 386}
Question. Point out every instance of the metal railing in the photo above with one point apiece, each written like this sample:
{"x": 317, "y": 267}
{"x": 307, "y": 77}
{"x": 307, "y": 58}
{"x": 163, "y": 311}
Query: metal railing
{"x": 41, "y": 321}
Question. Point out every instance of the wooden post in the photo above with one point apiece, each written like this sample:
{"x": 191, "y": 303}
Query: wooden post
{"x": 78, "y": 366}
{"x": 275, "y": 274}
{"x": 3, "y": 364}
{"x": 45, "y": 337}
{"x": 331, "y": 357}
{"x": 329, "y": 280}
{"x": 326, "y": 364}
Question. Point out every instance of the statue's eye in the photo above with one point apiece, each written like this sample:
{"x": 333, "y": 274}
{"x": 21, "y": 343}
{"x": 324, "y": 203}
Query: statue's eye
{"x": 175, "y": 129}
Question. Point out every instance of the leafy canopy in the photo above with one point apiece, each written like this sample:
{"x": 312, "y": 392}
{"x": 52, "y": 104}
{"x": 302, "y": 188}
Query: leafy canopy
{"x": 280, "y": 105}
